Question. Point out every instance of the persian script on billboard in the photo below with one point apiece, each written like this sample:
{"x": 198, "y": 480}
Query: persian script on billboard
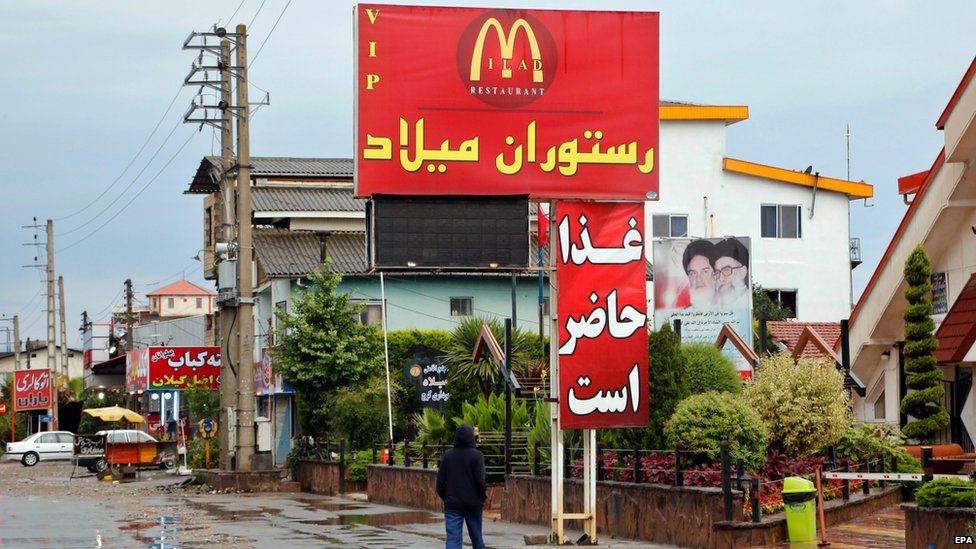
{"x": 32, "y": 390}
{"x": 183, "y": 367}
{"x": 602, "y": 312}
{"x": 476, "y": 101}
{"x": 706, "y": 283}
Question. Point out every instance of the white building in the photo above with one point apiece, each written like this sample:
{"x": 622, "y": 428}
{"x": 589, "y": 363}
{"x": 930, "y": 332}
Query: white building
{"x": 798, "y": 223}
{"x": 942, "y": 218}
{"x": 35, "y": 357}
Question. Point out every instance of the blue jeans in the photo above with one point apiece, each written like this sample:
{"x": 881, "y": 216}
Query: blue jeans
{"x": 453, "y": 522}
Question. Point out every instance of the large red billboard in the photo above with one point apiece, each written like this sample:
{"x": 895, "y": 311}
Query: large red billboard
{"x": 602, "y": 312}
{"x": 478, "y": 101}
{"x": 183, "y": 367}
{"x": 33, "y": 390}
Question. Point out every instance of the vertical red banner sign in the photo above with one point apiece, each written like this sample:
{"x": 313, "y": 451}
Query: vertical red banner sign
{"x": 32, "y": 390}
{"x": 602, "y": 311}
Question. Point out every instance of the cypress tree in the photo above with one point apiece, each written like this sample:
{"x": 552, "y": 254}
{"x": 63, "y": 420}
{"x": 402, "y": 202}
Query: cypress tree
{"x": 923, "y": 374}
{"x": 667, "y": 379}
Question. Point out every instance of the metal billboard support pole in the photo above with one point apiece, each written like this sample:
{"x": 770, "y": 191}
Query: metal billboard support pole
{"x": 386, "y": 355}
{"x": 557, "y": 534}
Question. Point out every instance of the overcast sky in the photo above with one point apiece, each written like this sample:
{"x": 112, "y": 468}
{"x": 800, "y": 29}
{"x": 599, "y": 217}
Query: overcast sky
{"x": 85, "y": 83}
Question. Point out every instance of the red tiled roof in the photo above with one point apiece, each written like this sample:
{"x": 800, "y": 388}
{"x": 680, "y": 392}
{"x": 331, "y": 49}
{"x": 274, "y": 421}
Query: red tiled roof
{"x": 957, "y": 333}
{"x": 788, "y": 332}
{"x": 182, "y": 287}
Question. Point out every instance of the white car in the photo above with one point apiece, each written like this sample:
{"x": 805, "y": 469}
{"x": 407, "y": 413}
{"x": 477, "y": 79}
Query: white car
{"x": 49, "y": 445}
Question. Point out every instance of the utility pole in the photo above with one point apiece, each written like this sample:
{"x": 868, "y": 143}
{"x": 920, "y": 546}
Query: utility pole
{"x": 52, "y": 364}
{"x": 228, "y": 349}
{"x": 64, "y": 328}
{"x": 13, "y": 419}
{"x": 245, "y": 377}
{"x": 128, "y": 314}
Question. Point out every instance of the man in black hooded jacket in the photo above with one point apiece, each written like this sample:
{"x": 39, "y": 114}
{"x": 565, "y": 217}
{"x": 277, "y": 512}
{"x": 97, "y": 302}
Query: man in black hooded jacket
{"x": 461, "y": 484}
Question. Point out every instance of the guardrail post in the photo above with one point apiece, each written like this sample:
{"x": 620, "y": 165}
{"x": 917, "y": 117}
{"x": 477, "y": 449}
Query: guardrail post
{"x": 535, "y": 459}
{"x": 724, "y": 459}
{"x": 637, "y": 464}
{"x": 881, "y": 467}
{"x": 756, "y": 505}
{"x": 740, "y": 470}
{"x": 679, "y": 476}
{"x": 406, "y": 453}
{"x": 328, "y": 450}
{"x": 423, "y": 453}
{"x": 845, "y": 490}
{"x": 866, "y": 484}
{"x": 342, "y": 467}
{"x": 831, "y": 457}
{"x": 926, "y": 463}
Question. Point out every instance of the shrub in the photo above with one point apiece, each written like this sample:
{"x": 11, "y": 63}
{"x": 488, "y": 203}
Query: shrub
{"x": 707, "y": 369}
{"x": 923, "y": 371}
{"x": 947, "y": 493}
{"x": 485, "y": 371}
{"x": 702, "y": 421}
{"x": 803, "y": 406}
{"x": 360, "y": 414}
{"x": 196, "y": 453}
{"x": 431, "y": 427}
{"x": 667, "y": 378}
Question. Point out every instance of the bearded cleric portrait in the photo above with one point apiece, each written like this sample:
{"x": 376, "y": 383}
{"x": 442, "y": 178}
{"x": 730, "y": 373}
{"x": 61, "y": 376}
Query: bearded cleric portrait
{"x": 476, "y": 101}
{"x": 706, "y": 284}
{"x": 602, "y": 315}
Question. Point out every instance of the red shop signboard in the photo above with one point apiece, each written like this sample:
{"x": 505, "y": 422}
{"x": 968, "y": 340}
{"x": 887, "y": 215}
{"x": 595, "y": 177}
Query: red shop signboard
{"x": 33, "y": 390}
{"x": 478, "y": 101}
{"x": 183, "y": 367}
{"x": 602, "y": 312}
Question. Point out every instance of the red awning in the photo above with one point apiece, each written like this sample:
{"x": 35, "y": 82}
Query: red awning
{"x": 957, "y": 333}
{"x": 911, "y": 183}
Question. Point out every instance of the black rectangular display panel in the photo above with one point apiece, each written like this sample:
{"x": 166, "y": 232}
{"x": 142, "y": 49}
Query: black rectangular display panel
{"x": 450, "y": 233}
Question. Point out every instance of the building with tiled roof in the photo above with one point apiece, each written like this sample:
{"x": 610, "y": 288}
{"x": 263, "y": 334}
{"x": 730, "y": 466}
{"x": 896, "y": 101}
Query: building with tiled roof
{"x": 788, "y": 332}
{"x": 941, "y": 217}
{"x": 179, "y": 299}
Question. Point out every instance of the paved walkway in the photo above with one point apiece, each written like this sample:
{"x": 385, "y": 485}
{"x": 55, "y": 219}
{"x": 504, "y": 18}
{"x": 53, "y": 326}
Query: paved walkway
{"x": 884, "y": 528}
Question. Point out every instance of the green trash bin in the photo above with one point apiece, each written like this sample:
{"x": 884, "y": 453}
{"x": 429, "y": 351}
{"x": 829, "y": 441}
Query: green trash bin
{"x": 800, "y": 501}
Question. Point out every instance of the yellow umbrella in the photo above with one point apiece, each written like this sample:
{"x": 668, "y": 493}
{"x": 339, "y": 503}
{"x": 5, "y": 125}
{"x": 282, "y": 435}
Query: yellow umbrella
{"x": 115, "y": 413}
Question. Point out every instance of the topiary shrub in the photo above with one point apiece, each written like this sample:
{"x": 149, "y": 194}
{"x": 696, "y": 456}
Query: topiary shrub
{"x": 924, "y": 375}
{"x": 947, "y": 493}
{"x": 803, "y": 405}
{"x": 703, "y": 421}
{"x": 707, "y": 369}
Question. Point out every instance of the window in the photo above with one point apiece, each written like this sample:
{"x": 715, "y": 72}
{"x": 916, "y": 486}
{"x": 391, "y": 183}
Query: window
{"x": 199, "y": 303}
{"x": 65, "y": 438}
{"x": 667, "y": 225}
{"x": 116, "y": 436}
{"x": 779, "y": 221}
{"x": 169, "y": 302}
{"x": 786, "y": 298}
{"x": 47, "y": 438}
{"x": 372, "y": 314}
{"x": 462, "y": 306}
{"x": 879, "y": 406}
{"x": 144, "y": 437}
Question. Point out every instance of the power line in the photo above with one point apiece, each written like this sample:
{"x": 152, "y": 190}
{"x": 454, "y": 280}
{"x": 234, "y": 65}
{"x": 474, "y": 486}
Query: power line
{"x": 270, "y": 32}
{"x": 249, "y": 25}
{"x": 131, "y": 162}
{"x": 127, "y": 204}
{"x": 127, "y": 187}
{"x": 235, "y": 11}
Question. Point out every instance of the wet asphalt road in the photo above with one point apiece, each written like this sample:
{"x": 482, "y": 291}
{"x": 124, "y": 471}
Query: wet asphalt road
{"x": 41, "y": 507}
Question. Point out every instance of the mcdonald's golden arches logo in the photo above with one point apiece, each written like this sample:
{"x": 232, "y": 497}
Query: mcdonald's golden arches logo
{"x": 506, "y": 58}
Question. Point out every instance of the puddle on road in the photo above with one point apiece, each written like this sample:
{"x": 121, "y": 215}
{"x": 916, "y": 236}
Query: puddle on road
{"x": 378, "y": 519}
{"x": 331, "y": 506}
{"x": 165, "y": 538}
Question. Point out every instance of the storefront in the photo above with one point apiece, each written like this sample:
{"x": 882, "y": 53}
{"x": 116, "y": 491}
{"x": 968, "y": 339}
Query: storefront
{"x": 275, "y": 417}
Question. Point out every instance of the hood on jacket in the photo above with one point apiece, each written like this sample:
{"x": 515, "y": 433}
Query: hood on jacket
{"x": 464, "y": 436}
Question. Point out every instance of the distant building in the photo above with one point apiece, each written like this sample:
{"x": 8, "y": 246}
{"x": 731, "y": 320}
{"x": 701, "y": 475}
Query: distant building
{"x": 179, "y": 299}
{"x": 33, "y": 356}
{"x": 942, "y": 218}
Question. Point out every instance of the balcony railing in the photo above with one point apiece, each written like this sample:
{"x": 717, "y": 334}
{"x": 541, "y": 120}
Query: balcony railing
{"x": 855, "y": 252}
